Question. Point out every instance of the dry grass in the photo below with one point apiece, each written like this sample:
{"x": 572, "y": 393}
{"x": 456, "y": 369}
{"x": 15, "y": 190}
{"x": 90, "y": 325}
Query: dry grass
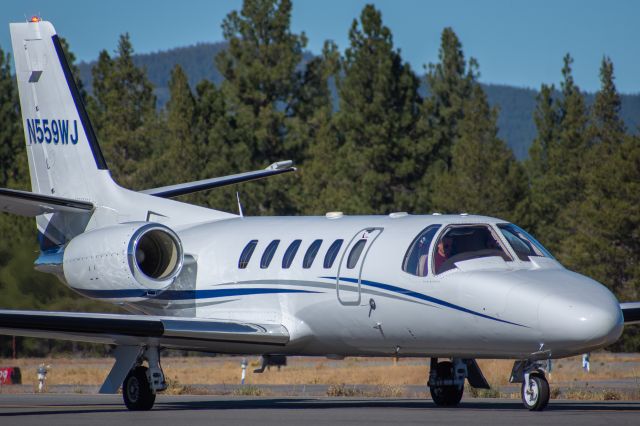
{"x": 388, "y": 377}
{"x": 381, "y": 391}
{"x": 249, "y": 390}
{"x": 587, "y": 393}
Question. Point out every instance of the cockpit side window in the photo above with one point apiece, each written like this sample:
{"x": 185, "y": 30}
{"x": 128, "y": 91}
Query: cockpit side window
{"x": 522, "y": 242}
{"x": 416, "y": 259}
{"x": 466, "y": 242}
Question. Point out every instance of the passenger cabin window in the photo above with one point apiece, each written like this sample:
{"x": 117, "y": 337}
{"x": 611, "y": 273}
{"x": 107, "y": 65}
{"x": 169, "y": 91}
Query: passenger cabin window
{"x": 290, "y": 253}
{"x": 268, "y": 254}
{"x": 522, "y": 242}
{"x": 245, "y": 256}
{"x": 311, "y": 253}
{"x": 332, "y": 253}
{"x": 416, "y": 260}
{"x": 355, "y": 253}
{"x": 466, "y": 242}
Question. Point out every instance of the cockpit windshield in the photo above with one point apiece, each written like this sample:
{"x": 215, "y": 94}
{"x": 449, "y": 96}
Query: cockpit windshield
{"x": 465, "y": 242}
{"x": 522, "y": 242}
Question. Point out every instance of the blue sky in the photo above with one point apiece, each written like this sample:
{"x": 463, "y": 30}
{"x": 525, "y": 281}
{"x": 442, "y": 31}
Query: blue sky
{"x": 518, "y": 43}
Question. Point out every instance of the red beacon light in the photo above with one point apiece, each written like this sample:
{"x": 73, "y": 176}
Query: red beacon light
{"x": 35, "y": 19}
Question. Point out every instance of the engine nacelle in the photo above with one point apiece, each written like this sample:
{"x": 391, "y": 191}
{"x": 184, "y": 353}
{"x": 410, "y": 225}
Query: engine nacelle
{"x": 126, "y": 261}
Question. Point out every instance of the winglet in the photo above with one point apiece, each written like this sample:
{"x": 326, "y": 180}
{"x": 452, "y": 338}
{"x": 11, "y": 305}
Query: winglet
{"x": 281, "y": 165}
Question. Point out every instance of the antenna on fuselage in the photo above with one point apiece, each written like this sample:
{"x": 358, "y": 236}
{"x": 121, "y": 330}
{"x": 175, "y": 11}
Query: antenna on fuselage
{"x": 239, "y": 204}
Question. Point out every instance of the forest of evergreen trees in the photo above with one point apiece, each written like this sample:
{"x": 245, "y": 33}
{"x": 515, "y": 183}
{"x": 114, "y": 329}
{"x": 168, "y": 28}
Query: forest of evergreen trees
{"x": 384, "y": 148}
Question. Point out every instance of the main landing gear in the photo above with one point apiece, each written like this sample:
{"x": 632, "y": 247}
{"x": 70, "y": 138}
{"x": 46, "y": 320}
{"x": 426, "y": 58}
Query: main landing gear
{"x": 446, "y": 381}
{"x": 139, "y": 382}
{"x": 136, "y": 391}
{"x": 535, "y": 387}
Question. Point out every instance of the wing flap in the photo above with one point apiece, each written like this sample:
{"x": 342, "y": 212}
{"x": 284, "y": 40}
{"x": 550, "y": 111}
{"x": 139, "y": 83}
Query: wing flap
{"x": 25, "y": 203}
{"x": 126, "y": 329}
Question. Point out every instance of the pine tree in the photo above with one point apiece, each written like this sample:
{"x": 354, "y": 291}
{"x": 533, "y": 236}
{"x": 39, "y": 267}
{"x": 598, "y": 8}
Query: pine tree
{"x": 179, "y": 157}
{"x": 221, "y": 150}
{"x": 12, "y": 152}
{"x": 606, "y": 129}
{"x": 566, "y": 159}
{"x": 484, "y": 177}
{"x": 181, "y": 149}
{"x": 375, "y": 122}
{"x": 540, "y": 209}
{"x": 605, "y": 243}
{"x": 313, "y": 122}
{"x": 547, "y": 123}
{"x": 124, "y": 114}
{"x": 560, "y": 183}
{"x": 14, "y": 171}
{"x": 261, "y": 73}
{"x": 450, "y": 84}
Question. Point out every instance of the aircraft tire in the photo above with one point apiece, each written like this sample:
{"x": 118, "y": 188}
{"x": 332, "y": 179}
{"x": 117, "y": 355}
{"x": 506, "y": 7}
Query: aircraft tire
{"x": 446, "y": 396}
{"x": 136, "y": 390}
{"x": 537, "y": 397}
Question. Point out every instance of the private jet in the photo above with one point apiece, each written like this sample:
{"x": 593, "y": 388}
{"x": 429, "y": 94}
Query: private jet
{"x": 450, "y": 288}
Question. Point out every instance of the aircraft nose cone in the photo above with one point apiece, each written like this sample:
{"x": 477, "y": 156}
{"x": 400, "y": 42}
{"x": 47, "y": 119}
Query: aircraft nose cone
{"x": 580, "y": 318}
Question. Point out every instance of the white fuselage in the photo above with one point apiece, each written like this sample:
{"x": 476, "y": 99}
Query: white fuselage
{"x": 485, "y": 307}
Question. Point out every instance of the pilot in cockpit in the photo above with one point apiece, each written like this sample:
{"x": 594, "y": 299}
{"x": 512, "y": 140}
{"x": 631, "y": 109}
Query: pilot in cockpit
{"x": 443, "y": 252}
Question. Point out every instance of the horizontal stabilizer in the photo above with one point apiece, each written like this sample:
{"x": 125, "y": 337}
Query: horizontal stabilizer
{"x": 30, "y": 204}
{"x": 138, "y": 329}
{"x": 631, "y": 312}
{"x": 201, "y": 185}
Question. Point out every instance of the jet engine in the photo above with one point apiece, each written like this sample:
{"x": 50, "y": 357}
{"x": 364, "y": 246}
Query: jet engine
{"x": 125, "y": 261}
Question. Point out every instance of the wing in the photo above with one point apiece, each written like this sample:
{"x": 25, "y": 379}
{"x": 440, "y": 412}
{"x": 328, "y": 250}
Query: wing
{"x": 201, "y": 185}
{"x": 25, "y": 203}
{"x": 631, "y": 312}
{"x": 122, "y": 329}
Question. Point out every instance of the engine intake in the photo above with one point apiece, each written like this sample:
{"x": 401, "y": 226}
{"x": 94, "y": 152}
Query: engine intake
{"x": 155, "y": 254}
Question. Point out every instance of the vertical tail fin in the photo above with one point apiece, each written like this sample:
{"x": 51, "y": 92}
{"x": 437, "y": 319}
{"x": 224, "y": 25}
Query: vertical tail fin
{"x": 64, "y": 156}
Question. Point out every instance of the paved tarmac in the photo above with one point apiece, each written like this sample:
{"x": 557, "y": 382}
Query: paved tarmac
{"x": 71, "y": 409}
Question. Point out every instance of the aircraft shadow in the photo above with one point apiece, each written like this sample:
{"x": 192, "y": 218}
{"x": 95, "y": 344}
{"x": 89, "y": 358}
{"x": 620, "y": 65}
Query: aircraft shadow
{"x": 324, "y": 404}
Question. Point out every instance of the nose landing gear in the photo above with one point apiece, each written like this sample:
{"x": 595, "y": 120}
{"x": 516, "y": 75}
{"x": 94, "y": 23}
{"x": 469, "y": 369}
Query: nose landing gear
{"x": 535, "y": 387}
{"x": 535, "y": 392}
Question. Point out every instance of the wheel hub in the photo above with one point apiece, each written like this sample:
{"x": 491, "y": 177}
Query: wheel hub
{"x": 133, "y": 389}
{"x": 532, "y": 392}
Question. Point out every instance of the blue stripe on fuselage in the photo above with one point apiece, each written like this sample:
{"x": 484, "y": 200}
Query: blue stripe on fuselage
{"x": 421, "y": 296}
{"x": 183, "y": 294}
